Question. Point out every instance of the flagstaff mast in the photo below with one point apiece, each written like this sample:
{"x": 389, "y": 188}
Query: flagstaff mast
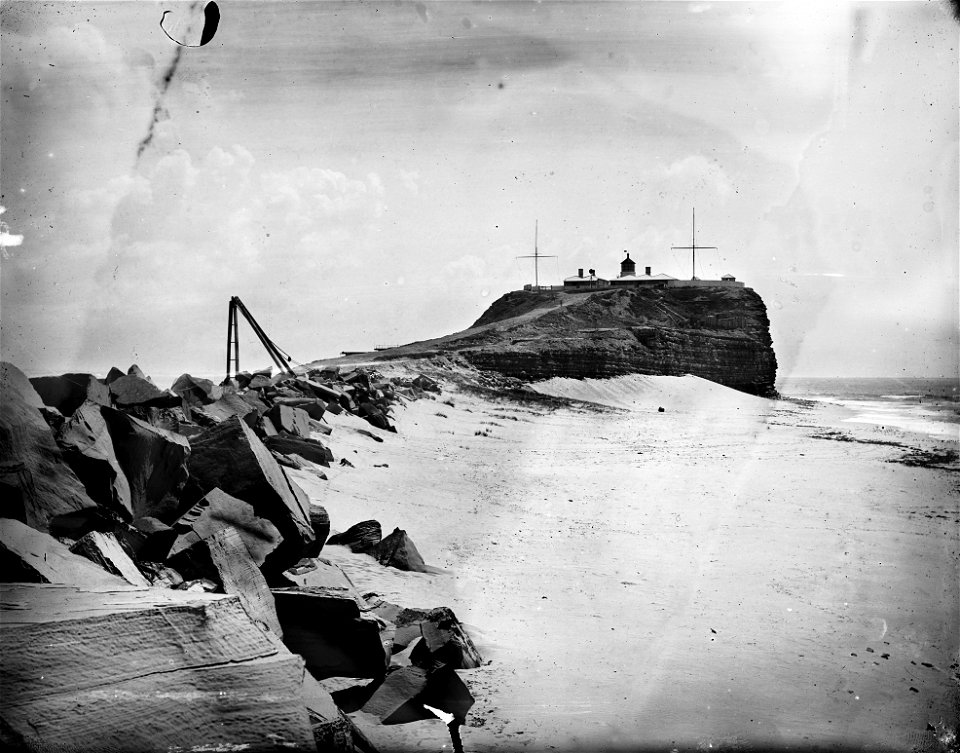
{"x": 693, "y": 246}
{"x": 536, "y": 255}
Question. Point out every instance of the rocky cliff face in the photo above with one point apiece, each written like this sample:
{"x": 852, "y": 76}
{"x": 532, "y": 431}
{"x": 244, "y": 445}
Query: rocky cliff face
{"x": 719, "y": 333}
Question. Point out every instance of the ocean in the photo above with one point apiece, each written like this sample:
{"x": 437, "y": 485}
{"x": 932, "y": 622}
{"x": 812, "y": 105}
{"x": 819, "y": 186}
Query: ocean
{"x": 928, "y": 406}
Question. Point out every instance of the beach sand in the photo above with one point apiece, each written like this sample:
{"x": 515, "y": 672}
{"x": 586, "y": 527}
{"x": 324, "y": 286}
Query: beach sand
{"x": 723, "y": 574}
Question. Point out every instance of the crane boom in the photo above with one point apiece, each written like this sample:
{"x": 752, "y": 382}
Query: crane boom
{"x": 280, "y": 358}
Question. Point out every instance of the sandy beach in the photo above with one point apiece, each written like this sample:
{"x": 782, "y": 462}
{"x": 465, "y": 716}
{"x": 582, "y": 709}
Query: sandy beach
{"x": 731, "y": 572}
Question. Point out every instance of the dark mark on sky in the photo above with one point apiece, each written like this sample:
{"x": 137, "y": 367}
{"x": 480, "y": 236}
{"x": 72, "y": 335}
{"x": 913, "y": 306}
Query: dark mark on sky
{"x": 211, "y": 20}
{"x": 158, "y": 109}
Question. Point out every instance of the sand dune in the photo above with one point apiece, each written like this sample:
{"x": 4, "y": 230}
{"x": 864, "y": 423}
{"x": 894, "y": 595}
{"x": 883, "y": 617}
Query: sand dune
{"x": 713, "y": 575}
{"x": 639, "y": 392}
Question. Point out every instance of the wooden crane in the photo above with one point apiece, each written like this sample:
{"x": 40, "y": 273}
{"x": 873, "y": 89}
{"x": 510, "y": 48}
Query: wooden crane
{"x": 279, "y": 357}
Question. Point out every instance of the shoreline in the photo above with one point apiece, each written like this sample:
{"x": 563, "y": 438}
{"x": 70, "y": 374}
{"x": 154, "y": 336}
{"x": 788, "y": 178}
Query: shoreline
{"x": 593, "y": 555}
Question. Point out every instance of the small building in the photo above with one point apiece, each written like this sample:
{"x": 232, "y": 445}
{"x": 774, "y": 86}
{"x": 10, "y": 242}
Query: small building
{"x": 645, "y": 280}
{"x": 581, "y": 282}
{"x": 728, "y": 278}
{"x": 628, "y": 267}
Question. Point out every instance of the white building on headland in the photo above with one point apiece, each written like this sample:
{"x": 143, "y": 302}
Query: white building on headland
{"x": 629, "y": 278}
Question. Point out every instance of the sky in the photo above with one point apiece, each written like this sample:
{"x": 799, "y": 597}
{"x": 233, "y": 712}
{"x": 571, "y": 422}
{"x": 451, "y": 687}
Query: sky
{"x": 366, "y": 174}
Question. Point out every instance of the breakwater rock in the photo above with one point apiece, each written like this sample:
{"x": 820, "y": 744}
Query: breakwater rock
{"x": 160, "y": 581}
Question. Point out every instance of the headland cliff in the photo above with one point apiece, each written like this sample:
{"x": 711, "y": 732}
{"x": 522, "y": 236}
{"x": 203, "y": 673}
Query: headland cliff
{"x": 720, "y": 333}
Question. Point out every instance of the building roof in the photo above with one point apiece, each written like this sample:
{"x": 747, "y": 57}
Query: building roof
{"x": 585, "y": 278}
{"x": 644, "y": 278}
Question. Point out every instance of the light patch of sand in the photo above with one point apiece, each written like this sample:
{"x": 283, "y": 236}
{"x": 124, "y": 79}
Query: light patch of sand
{"x": 709, "y": 575}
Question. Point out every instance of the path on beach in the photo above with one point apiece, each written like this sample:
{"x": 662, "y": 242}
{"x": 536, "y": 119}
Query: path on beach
{"x": 711, "y": 574}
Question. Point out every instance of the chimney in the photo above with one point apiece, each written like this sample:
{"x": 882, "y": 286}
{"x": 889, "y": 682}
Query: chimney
{"x": 647, "y": 271}
{"x": 580, "y": 272}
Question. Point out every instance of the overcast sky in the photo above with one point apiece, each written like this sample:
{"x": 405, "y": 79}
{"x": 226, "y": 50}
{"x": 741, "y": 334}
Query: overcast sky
{"x": 365, "y": 174}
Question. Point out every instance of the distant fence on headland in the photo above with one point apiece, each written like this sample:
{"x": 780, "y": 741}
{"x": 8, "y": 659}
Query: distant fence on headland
{"x": 606, "y": 284}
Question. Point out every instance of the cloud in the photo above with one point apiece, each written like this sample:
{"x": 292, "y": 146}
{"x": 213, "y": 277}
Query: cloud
{"x": 691, "y": 178}
{"x": 155, "y": 256}
{"x": 410, "y": 180}
{"x": 7, "y": 239}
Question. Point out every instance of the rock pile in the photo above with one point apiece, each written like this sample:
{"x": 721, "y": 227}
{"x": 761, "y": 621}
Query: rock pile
{"x": 160, "y": 586}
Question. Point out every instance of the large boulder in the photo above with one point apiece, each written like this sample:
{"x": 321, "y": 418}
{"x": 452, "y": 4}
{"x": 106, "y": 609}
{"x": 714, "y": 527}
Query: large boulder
{"x": 88, "y": 448}
{"x": 426, "y": 384}
{"x": 231, "y": 457}
{"x": 223, "y": 558}
{"x": 375, "y": 416}
{"x": 230, "y": 405}
{"x": 312, "y": 405}
{"x": 104, "y": 550}
{"x": 444, "y": 642}
{"x": 136, "y": 371}
{"x": 154, "y": 461}
{"x": 36, "y": 485}
{"x": 332, "y": 729}
{"x": 309, "y": 449}
{"x": 362, "y": 538}
{"x": 149, "y": 539}
{"x": 329, "y": 631}
{"x": 319, "y": 521}
{"x": 405, "y": 693}
{"x": 323, "y": 574}
{"x": 31, "y": 556}
{"x": 152, "y": 670}
{"x": 68, "y": 392}
{"x": 196, "y": 391}
{"x": 435, "y": 635}
{"x": 399, "y": 551}
{"x": 259, "y": 381}
{"x": 131, "y": 390}
{"x": 218, "y": 510}
{"x": 290, "y": 419}
{"x": 255, "y": 402}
